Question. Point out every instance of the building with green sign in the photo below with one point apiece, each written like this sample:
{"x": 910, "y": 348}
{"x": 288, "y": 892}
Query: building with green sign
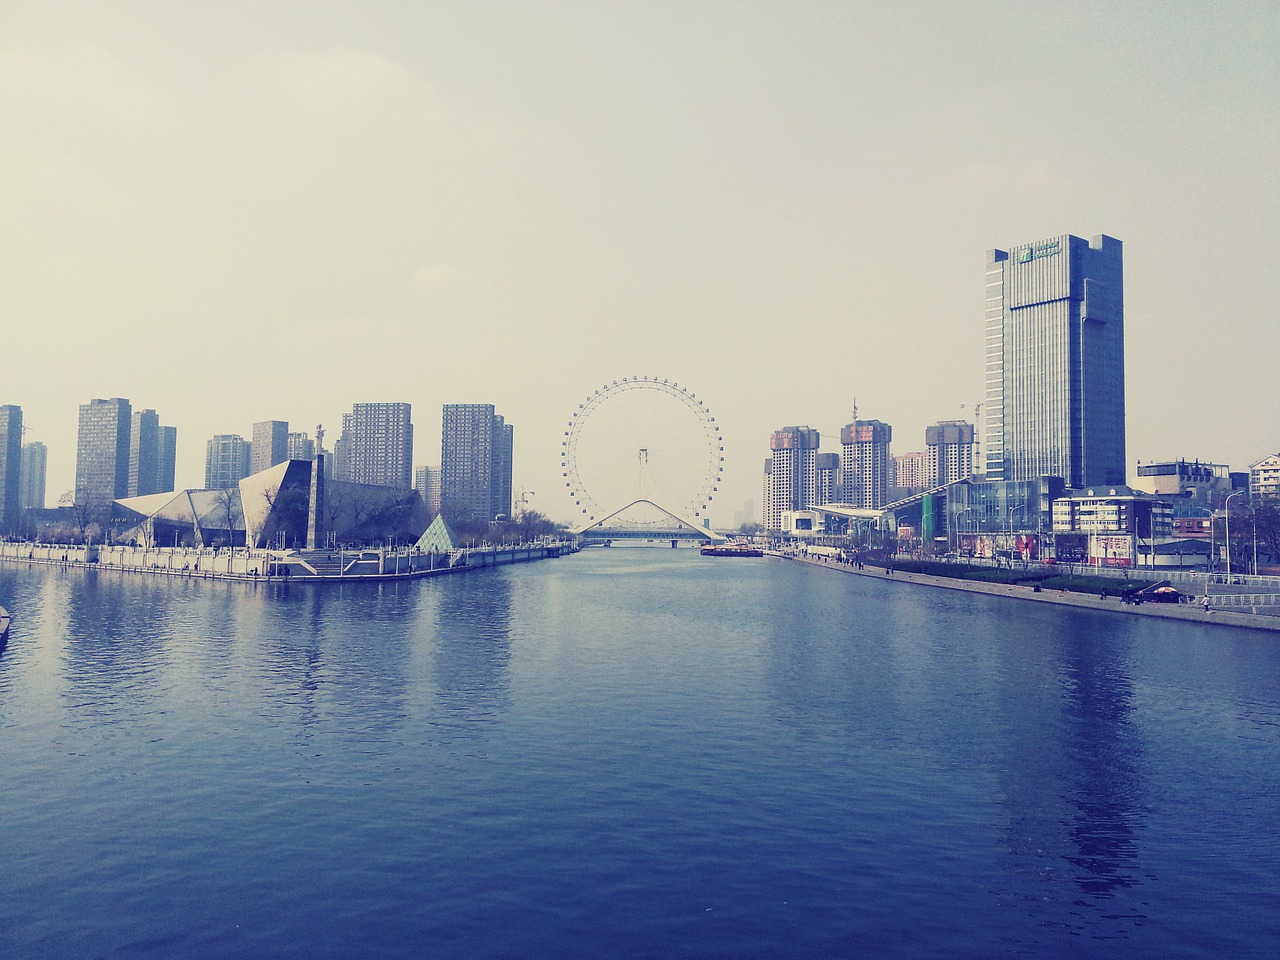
{"x": 1055, "y": 362}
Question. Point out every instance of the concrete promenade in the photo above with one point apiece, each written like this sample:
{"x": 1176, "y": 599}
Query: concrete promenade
{"x": 1165, "y": 611}
{"x": 279, "y": 566}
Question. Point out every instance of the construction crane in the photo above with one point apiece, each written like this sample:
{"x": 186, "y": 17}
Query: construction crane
{"x": 522, "y": 502}
{"x": 979, "y": 466}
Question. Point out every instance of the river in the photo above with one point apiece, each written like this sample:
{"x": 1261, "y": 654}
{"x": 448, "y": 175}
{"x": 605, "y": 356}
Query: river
{"x": 632, "y": 753}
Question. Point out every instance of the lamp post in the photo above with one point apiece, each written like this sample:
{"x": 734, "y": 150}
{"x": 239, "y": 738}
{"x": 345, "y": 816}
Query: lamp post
{"x": 1226, "y": 509}
{"x": 1009, "y": 526}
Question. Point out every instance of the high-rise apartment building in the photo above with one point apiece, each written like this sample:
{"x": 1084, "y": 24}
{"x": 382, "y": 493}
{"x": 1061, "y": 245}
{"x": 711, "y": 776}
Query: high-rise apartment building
{"x": 909, "y": 470}
{"x": 226, "y": 461}
{"x": 476, "y": 450}
{"x": 426, "y": 480}
{"x": 865, "y": 463}
{"x": 949, "y": 445}
{"x": 791, "y": 473}
{"x": 102, "y": 452}
{"x": 376, "y": 445}
{"x": 300, "y": 447}
{"x": 270, "y": 445}
{"x": 1055, "y": 361}
{"x": 10, "y": 466}
{"x": 828, "y": 465}
{"x": 35, "y": 460}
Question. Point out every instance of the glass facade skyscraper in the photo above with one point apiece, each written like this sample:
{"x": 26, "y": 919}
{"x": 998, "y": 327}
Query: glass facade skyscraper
{"x": 102, "y": 452}
{"x": 1055, "y": 361}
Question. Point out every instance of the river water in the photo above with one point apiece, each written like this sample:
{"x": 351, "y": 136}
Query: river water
{"x": 627, "y": 753}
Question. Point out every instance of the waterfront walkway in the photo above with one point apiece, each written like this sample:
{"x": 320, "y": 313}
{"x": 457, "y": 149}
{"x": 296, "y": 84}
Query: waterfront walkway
{"x": 1165, "y": 611}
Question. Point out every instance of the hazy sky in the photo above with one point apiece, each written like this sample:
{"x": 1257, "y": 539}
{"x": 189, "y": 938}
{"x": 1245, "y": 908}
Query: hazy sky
{"x": 244, "y": 211}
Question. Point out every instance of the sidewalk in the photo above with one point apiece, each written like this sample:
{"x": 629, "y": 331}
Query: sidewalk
{"x": 1167, "y": 611}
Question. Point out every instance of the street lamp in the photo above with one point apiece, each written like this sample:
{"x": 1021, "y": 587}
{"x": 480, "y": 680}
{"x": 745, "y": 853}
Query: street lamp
{"x": 1226, "y": 509}
{"x": 1009, "y": 526}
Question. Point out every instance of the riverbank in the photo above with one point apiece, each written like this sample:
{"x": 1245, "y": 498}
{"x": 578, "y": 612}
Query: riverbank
{"x": 1186, "y": 612}
{"x": 292, "y": 566}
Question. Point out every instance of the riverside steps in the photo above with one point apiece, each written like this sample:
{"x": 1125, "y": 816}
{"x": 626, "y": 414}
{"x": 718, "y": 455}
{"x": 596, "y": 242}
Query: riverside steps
{"x": 285, "y": 566}
{"x": 1223, "y": 616}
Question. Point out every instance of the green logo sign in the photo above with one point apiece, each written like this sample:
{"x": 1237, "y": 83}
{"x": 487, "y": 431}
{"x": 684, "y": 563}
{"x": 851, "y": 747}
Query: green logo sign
{"x": 1035, "y": 251}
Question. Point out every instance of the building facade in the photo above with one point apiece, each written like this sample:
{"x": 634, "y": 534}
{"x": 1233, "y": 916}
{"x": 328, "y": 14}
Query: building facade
{"x": 1264, "y": 477}
{"x": 168, "y": 459}
{"x": 35, "y": 460}
{"x": 226, "y": 461}
{"x": 270, "y": 445}
{"x": 426, "y": 480}
{"x": 791, "y": 473}
{"x": 910, "y": 470}
{"x": 949, "y": 448}
{"x": 144, "y": 453}
{"x": 10, "y": 466}
{"x": 476, "y": 462}
{"x": 1192, "y": 485}
{"x": 102, "y": 452}
{"x": 376, "y": 446}
{"x": 1055, "y": 401}
{"x": 865, "y": 463}
{"x": 300, "y": 447}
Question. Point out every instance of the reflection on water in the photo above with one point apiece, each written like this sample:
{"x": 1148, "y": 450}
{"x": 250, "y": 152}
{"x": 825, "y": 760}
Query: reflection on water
{"x": 472, "y": 652}
{"x": 693, "y": 758}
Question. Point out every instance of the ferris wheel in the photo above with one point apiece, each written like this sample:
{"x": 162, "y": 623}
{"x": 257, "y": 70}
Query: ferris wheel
{"x": 642, "y": 442}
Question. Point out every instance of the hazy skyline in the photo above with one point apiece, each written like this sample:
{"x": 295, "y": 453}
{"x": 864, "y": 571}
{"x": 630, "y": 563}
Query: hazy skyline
{"x": 245, "y": 212}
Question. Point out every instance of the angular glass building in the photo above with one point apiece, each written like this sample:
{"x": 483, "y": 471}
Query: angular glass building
{"x": 1055, "y": 362}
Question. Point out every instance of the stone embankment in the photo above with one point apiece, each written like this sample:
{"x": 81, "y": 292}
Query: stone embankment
{"x": 308, "y": 566}
{"x": 1166, "y": 611}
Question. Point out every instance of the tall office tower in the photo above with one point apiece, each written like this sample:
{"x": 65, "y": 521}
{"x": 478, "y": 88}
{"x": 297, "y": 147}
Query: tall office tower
{"x": 226, "y": 461}
{"x": 300, "y": 447}
{"x": 950, "y": 449}
{"x": 475, "y": 462}
{"x": 909, "y": 470}
{"x": 1055, "y": 362}
{"x": 144, "y": 454}
{"x": 102, "y": 452}
{"x": 10, "y": 466}
{"x": 167, "y": 462}
{"x": 792, "y": 478}
{"x": 270, "y": 445}
{"x": 35, "y": 459}
{"x": 427, "y": 482}
{"x": 376, "y": 446}
{"x": 828, "y": 491}
{"x": 865, "y": 463}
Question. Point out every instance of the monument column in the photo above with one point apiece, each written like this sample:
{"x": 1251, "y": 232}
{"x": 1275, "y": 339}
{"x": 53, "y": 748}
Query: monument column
{"x": 315, "y": 505}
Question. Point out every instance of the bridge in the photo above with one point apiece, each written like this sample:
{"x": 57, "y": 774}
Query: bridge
{"x": 673, "y": 526}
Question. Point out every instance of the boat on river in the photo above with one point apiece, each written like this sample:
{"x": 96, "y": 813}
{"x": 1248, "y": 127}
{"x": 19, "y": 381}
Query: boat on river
{"x": 731, "y": 550}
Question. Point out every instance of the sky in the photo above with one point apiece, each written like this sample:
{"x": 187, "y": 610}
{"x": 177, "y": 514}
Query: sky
{"x": 241, "y": 211}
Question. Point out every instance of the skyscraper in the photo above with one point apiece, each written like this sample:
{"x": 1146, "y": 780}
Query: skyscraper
{"x": 376, "y": 445}
{"x": 950, "y": 451}
{"x": 476, "y": 454}
{"x": 1055, "y": 361}
{"x": 270, "y": 445}
{"x": 226, "y": 461}
{"x": 865, "y": 463}
{"x": 35, "y": 459}
{"x": 791, "y": 473}
{"x": 167, "y": 461}
{"x": 144, "y": 453}
{"x": 102, "y": 453}
{"x": 10, "y": 466}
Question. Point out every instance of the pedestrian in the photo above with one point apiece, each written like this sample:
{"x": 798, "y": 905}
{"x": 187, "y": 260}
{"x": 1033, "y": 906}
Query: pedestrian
{"x": 1206, "y": 601}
